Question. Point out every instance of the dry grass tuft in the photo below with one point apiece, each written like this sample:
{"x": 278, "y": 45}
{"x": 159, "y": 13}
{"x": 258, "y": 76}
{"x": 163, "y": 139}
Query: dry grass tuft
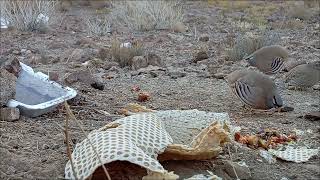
{"x": 300, "y": 12}
{"x": 147, "y": 15}
{"x": 312, "y": 4}
{"x": 253, "y": 15}
{"x": 97, "y": 25}
{"x": 288, "y": 24}
{"x": 31, "y": 15}
{"x": 124, "y": 55}
{"x": 230, "y": 5}
{"x": 247, "y": 44}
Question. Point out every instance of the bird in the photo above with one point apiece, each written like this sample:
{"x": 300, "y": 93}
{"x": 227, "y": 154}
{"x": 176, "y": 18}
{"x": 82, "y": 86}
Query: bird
{"x": 304, "y": 76}
{"x": 268, "y": 59}
{"x": 255, "y": 89}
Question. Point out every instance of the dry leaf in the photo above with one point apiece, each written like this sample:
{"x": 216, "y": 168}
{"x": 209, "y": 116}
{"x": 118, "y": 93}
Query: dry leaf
{"x": 206, "y": 145}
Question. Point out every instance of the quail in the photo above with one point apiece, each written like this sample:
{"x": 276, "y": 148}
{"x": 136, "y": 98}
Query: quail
{"x": 268, "y": 59}
{"x": 304, "y": 76}
{"x": 255, "y": 89}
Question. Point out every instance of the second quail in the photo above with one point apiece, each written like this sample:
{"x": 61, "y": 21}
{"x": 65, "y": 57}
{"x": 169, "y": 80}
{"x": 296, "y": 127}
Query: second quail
{"x": 268, "y": 59}
{"x": 304, "y": 76}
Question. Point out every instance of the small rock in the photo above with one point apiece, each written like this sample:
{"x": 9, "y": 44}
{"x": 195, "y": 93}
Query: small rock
{"x": 313, "y": 116}
{"x": 267, "y": 156}
{"x": 213, "y": 68}
{"x": 85, "y": 42}
{"x": 139, "y": 62}
{"x": 286, "y": 109}
{"x": 316, "y": 44}
{"x": 80, "y": 76}
{"x": 179, "y": 27}
{"x": 204, "y": 38}
{"x": 204, "y": 62}
{"x": 7, "y": 86}
{"x": 28, "y": 52}
{"x": 201, "y": 55}
{"x": 154, "y": 73}
{"x": 175, "y": 37}
{"x": 134, "y": 73}
{"x": 149, "y": 69}
{"x": 243, "y": 172}
{"x": 57, "y": 45}
{"x": 98, "y": 4}
{"x": 291, "y": 87}
{"x": 23, "y": 50}
{"x": 192, "y": 69}
{"x": 228, "y": 63}
{"x": 16, "y": 52}
{"x": 103, "y": 53}
{"x": 13, "y": 66}
{"x": 219, "y": 75}
{"x": 316, "y": 87}
{"x": 9, "y": 114}
{"x": 224, "y": 31}
{"x": 97, "y": 85}
{"x": 204, "y": 74}
{"x": 53, "y": 76}
{"x": 109, "y": 64}
{"x": 77, "y": 55}
{"x": 115, "y": 69}
{"x": 284, "y": 178}
{"x": 154, "y": 60}
{"x": 175, "y": 74}
{"x": 77, "y": 101}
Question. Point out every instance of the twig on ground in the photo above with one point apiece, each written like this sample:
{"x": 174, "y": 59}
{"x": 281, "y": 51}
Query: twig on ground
{"x": 66, "y": 132}
{"x": 71, "y": 116}
{"x": 234, "y": 170}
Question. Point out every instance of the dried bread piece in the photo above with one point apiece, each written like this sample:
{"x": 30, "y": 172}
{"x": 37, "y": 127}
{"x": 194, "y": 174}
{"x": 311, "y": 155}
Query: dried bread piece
{"x": 140, "y": 138}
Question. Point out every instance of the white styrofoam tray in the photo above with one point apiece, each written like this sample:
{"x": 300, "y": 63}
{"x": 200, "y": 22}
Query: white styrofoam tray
{"x": 36, "y": 94}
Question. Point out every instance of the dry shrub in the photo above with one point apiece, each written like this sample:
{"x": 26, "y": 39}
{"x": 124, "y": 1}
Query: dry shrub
{"x": 64, "y": 5}
{"x": 288, "y": 24}
{"x": 255, "y": 14}
{"x": 312, "y": 4}
{"x": 247, "y": 44}
{"x": 98, "y": 25}
{"x": 124, "y": 55}
{"x": 300, "y": 12}
{"x": 29, "y": 15}
{"x": 230, "y": 5}
{"x": 147, "y": 15}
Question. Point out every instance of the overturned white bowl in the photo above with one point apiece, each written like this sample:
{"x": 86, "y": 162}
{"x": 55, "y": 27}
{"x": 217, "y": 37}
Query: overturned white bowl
{"x": 36, "y": 94}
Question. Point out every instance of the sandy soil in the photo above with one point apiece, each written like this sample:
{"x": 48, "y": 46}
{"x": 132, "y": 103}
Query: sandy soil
{"x": 34, "y": 148}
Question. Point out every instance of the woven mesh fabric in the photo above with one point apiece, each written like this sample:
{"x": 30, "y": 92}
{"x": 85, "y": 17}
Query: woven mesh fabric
{"x": 138, "y": 139}
{"x": 298, "y": 155}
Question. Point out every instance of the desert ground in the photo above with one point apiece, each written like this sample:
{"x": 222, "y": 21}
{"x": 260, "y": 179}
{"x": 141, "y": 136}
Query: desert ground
{"x": 35, "y": 148}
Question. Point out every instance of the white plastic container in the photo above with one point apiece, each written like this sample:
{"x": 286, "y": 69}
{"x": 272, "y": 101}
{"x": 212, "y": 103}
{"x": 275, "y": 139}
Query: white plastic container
{"x": 36, "y": 94}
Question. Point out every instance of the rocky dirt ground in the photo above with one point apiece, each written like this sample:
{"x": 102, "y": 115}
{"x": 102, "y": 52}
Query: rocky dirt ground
{"x": 34, "y": 148}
